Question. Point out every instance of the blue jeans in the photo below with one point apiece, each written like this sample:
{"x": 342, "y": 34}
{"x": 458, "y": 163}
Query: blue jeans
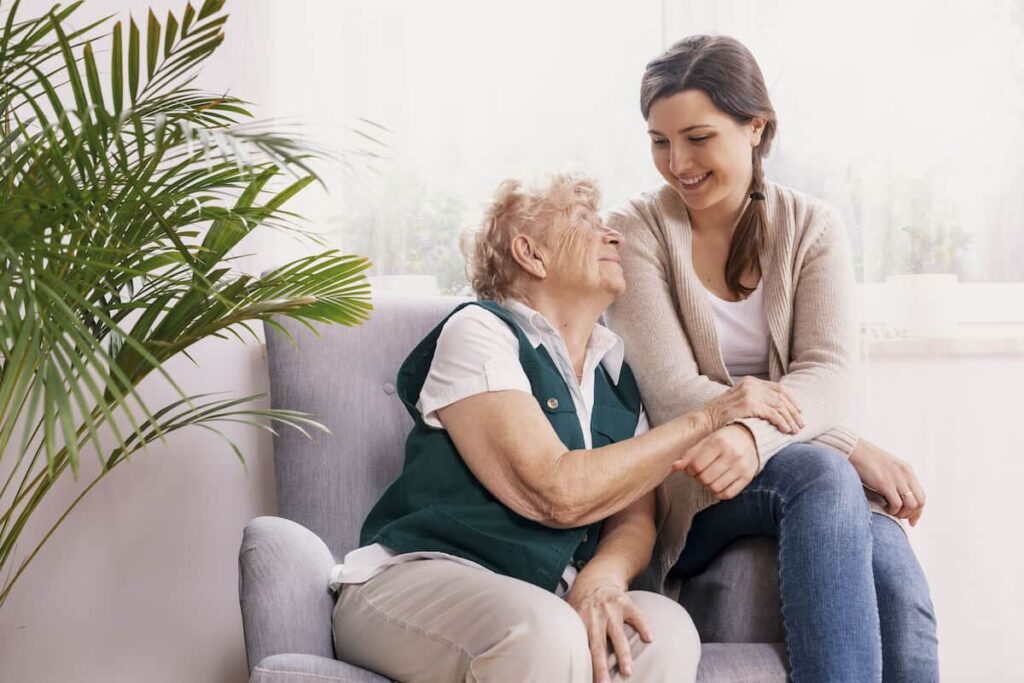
{"x": 855, "y": 602}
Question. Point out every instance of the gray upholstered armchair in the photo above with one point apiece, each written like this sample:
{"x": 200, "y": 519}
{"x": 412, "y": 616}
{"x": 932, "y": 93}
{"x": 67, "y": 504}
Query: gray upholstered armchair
{"x": 326, "y": 486}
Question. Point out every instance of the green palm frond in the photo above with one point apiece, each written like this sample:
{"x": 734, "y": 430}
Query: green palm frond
{"x": 121, "y": 203}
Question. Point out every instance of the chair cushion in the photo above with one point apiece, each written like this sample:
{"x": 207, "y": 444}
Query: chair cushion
{"x": 719, "y": 663}
{"x": 736, "y": 599}
{"x": 290, "y": 668}
{"x": 742, "y": 663}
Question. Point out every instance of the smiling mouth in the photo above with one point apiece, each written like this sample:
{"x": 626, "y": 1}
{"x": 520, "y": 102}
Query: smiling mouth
{"x": 694, "y": 181}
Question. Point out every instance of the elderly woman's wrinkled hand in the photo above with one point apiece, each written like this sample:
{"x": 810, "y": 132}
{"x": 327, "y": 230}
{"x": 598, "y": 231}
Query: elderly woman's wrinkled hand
{"x": 606, "y": 608}
{"x": 753, "y": 397}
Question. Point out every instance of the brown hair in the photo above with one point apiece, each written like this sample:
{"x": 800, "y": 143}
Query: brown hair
{"x": 726, "y": 71}
{"x": 541, "y": 211}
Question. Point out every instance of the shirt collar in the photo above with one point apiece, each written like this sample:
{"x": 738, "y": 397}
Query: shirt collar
{"x": 607, "y": 345}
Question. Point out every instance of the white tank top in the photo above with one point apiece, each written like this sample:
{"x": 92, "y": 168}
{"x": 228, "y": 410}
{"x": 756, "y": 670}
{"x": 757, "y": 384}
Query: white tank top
{"x": 742, "y": 333}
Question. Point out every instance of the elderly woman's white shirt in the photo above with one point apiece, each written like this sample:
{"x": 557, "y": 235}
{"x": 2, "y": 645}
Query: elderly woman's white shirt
{"x": 477, "y": 352}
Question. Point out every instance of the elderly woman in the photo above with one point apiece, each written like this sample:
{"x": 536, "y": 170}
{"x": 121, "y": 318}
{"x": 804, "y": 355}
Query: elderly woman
{"x": 505, "y": 548}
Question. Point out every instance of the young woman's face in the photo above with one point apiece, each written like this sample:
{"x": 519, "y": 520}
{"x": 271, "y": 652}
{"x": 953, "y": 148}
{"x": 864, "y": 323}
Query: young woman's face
{"x": 700, "y": 150}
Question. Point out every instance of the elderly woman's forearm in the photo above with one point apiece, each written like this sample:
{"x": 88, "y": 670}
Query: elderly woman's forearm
{"x": 510, "y": 447}
{"x": 589, "y": 485}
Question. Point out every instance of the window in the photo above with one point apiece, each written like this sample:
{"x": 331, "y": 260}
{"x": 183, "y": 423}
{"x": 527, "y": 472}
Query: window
{"x": 904, "y": 116}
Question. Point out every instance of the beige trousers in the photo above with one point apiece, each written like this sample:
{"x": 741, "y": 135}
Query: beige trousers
{"x": 436, "y": 621}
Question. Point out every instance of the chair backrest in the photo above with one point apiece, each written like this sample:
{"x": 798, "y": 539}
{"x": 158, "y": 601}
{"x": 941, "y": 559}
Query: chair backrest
{"x": 346, "y": 378}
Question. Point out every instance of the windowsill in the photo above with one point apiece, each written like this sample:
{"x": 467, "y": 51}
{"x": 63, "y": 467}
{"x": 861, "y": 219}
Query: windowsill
{"x": 1002, "y": 339}
{"x": 991, "y": 316}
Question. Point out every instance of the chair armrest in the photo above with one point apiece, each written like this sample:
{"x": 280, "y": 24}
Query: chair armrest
{"x": 283, "y": 570}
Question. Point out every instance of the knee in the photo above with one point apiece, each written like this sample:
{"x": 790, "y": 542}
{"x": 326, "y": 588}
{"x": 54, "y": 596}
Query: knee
{"x": 538, "y": 637}
{"x": 552, "y": 633}
{"x": 675, "y": 650}
{"x": 828, "y": 474}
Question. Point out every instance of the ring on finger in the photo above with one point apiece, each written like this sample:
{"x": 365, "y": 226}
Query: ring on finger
{"x": 907, "y": 494}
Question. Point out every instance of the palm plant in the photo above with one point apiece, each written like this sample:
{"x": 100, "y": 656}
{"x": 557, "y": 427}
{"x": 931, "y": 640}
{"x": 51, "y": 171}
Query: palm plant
{"x": 120, "y": 202}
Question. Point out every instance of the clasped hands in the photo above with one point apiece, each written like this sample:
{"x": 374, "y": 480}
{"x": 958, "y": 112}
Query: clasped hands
{"x": 727, "y": 460}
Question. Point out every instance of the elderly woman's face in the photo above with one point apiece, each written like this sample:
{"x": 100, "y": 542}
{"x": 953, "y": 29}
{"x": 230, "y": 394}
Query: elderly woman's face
{"x": 701, "y": 151}
{"x": 585, "y": 255}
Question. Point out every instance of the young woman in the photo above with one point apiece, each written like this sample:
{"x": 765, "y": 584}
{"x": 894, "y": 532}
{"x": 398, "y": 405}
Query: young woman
{"x": 731, "y": 276}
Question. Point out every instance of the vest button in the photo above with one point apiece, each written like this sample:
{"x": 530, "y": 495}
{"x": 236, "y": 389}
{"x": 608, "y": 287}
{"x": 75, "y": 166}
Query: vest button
{"x": 584, "y": 539}
{"x": 552, "y": 403}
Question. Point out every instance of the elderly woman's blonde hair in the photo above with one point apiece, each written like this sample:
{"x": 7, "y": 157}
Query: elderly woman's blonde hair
{"x": 541, "y": 211}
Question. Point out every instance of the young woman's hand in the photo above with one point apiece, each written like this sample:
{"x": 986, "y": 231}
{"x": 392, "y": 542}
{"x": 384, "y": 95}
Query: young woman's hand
{"x": 606, "y": 608}
{"x": 753, "y": 397}
{"x": 724, "y": 461}
{"x": 891, "y": 478}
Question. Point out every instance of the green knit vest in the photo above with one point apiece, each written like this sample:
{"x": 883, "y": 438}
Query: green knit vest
{"x": 436, "y": 504}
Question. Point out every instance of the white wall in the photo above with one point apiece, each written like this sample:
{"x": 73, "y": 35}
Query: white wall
{"x": 141, "y": 581}
{"x": 954, "y": 419}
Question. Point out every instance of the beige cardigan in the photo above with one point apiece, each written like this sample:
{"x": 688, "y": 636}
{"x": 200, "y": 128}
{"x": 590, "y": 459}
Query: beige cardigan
{"x": 667, "y": 324}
